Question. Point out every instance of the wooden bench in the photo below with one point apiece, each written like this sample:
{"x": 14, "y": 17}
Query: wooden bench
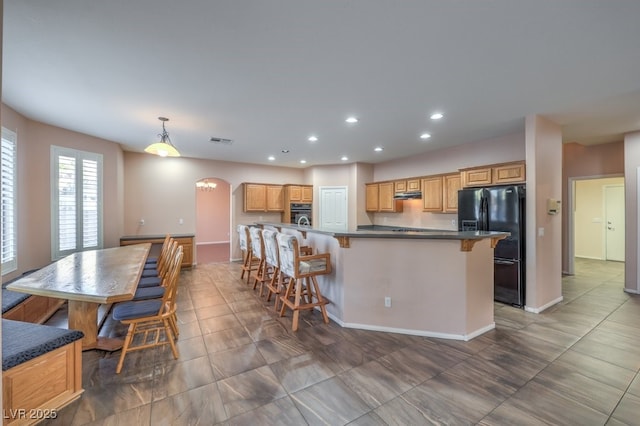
{"x": 24, "y": 307}
{"x": 41, "y": 371}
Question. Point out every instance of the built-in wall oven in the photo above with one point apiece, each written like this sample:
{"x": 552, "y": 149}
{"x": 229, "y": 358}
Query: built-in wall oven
{"x": 299, "y": 211}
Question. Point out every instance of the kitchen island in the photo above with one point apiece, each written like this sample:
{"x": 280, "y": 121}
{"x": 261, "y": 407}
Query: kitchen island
{"x": 431, "y": 283}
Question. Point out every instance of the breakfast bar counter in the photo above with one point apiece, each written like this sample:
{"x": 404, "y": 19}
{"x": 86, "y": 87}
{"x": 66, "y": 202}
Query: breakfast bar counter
{"x": 429, "y": 283}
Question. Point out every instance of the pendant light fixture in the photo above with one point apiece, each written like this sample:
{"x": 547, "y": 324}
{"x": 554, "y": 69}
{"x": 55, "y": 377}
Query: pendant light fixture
{"x": 164, "y": 148}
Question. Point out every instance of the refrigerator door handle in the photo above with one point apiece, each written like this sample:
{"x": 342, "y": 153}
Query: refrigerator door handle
{"x": 503, "y": 262}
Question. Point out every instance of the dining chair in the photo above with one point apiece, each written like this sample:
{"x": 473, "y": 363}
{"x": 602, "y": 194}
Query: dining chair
{"x": 302, "y": 291}
{"x": 151, "y": 319}
{"x": 154, "y": 260}
{"x": 156, "y": 280}
{"x": 151, "y": 269}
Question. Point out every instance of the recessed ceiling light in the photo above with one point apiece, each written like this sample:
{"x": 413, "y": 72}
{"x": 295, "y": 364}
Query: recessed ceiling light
{"x": 344, "y": 158}
{"x": 313, "y": 139}
{"x": 425, "y": 136}
{"x": 436, "y": 116}
{"x": 285, "y": 151}
{"x": 351, "y": 120}
{"x": 378, "y": 149}
{"x": 303, "y": 161}
{"x": 271, "y": 158}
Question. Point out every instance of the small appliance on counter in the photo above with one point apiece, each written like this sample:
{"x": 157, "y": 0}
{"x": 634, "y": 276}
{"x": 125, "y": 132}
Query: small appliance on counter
{"x": 500, "y": 208}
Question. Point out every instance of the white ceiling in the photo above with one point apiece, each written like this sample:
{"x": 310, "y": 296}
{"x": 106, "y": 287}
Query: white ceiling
{"x": 268, "y": 74}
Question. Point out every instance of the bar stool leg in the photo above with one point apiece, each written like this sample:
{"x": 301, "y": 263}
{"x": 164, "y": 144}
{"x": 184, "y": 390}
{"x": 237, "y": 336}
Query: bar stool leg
{"x": 321, "y": 300}
{"x": 296, "y": 305}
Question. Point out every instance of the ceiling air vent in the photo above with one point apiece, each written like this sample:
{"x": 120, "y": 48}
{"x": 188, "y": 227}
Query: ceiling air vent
{"x": 221, "y": 141}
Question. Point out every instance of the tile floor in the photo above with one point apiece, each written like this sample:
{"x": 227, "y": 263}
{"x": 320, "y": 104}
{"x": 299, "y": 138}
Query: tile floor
{"x": 575, "y": 364}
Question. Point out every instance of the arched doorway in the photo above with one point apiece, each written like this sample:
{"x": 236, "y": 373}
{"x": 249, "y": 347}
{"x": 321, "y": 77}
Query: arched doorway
{"x": 213, "y": 221}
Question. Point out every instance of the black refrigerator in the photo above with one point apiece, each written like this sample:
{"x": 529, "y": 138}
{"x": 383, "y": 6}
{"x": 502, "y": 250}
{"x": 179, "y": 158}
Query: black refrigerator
{"x": 499, "y": 208}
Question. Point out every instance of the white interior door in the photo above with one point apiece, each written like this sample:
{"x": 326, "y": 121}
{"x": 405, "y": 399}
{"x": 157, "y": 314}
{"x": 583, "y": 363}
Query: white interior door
{"x": 333, "y": 207}
{"x": 614, "y": 221}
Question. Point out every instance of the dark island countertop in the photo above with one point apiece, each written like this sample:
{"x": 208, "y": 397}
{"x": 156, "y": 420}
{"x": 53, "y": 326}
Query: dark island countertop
{"x": 468, "y": 238}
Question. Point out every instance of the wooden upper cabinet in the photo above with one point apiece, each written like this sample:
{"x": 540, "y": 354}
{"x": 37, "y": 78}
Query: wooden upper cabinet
{"x": 295, "y": 193}
{"x": 386, "y": 197}
{"x": 477, "y": 177}
{"x": 452, "y": 183}
{"x": 496, "y": 174}
{"x": 379, "y": 198}
{"x": 508, "y": 173}
{"x": 372, "y": 197}
{"x": 409, "y": 185}
{"x": 255, "y": 197}
{"x": 432, "y": 194}
{"x": 307, "y": 194}
{"x": 400, "y": 186}
{"x": 259, "y": 197}
{"x": 413, "y": 185}
{"x": 275, "y": 198}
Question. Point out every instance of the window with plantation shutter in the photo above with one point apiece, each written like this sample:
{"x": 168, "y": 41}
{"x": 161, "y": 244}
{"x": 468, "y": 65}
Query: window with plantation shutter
{"x": 9, "y": 192}
{"x": 76, "y": 201}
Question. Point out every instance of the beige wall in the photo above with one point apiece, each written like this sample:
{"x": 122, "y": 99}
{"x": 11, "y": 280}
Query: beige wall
{"x": 544, "y": 231}
{"x": 579, "y": 161}
{"x": 589, "y": 217}
{"x": 34, "y": 190}
{"x": 162, "y": 191}
{"x": 499, "y": 150}
{"x": 631, "y": 164}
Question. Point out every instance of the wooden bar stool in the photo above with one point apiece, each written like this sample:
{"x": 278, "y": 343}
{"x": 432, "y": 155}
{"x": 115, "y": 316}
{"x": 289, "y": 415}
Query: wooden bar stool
{"x": 257, "y": 248}
{"x": 272, "y": 257}
{"x": 249, "y": 262}
{"x": 302, "y": 291}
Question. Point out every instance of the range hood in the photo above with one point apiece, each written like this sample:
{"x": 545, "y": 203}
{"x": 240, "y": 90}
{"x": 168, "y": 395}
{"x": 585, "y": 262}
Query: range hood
{"x": 407, "y": 195}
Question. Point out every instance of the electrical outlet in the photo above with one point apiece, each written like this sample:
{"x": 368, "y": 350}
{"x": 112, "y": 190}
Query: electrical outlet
{"x": 180, "y": 221}
{"x": 141, "y": 222}
{"x": 454, "y": 222}
{"x": 387, "y": 302}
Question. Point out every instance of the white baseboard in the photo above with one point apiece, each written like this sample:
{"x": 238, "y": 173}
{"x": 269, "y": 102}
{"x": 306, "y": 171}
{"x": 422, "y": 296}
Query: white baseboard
{"x": 209, "y": 243}
{"x": 543, "y": 307}
{"x": 465, "y": 337}
{"x": 631, "y": 290}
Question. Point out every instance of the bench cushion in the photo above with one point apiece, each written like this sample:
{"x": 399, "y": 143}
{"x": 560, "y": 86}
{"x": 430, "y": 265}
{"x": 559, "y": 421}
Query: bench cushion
{"x": 11, "y": 299}
{"x": 23, "y": 341}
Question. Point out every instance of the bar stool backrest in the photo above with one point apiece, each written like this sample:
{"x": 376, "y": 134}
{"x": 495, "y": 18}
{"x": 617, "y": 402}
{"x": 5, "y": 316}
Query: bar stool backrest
{"x": 271, "y": 247}
{"x": 256, "y": 241}
{"x": 288, "y": 251}
{"x": 242, "y": 235}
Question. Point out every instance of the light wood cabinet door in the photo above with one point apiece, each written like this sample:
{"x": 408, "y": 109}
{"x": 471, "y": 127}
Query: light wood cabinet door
{"x": 400, "y": 186}
{"x": 477, "y": 177}
{"x": 413, "y": 185}
{"x": 307, "y": 194}
{"x": 452, "y": 183}
{"x": 432, "y": 194}
{"x": 371, "y": 197}
{"x": 386, "y": 201}
{"x": 275, "y": 198}
{"x": 508, "y": 173}
{"x": 294, "y": 193}
{"x": 255, "y": 197}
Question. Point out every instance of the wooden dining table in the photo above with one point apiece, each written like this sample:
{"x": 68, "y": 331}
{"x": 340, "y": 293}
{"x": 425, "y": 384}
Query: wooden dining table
{"x": 88, "y": 280}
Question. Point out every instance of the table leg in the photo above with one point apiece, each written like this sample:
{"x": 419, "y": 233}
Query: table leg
{"x": 83, "y": 316}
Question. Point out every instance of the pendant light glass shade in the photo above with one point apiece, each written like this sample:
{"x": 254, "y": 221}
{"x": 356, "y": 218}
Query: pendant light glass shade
{"x": 164, "y": 148}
